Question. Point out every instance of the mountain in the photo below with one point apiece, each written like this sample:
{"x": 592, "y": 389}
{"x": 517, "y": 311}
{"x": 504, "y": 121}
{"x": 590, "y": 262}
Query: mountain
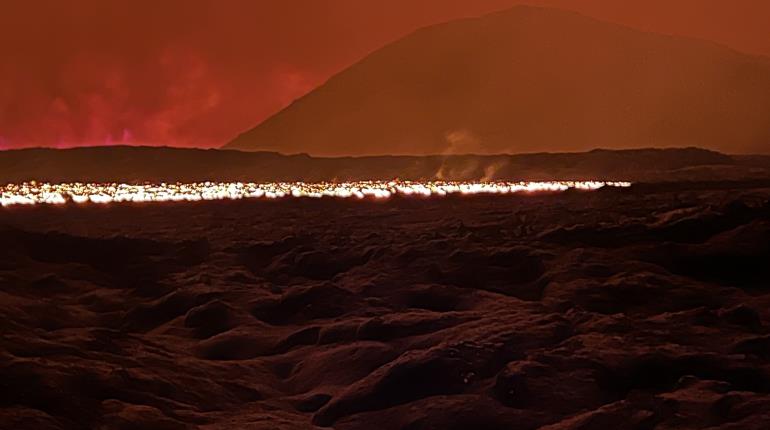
{"x": 152, "y": 164}
{"x": 530, "y": 80}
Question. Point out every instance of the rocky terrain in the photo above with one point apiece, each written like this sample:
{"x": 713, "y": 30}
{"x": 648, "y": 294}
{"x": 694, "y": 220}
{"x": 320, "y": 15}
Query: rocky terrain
{"x": 151, "y": 164}
{"x": 640, "y": 308}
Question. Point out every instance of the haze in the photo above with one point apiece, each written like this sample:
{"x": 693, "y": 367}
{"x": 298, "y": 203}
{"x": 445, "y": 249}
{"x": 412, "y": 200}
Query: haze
{"x": 197, "y": 73}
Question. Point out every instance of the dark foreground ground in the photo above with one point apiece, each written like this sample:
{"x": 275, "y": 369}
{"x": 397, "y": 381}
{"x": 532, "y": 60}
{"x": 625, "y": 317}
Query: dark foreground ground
{"x": 642, "y": 308}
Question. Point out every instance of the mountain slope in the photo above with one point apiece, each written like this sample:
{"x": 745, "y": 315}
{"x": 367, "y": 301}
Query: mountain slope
{"x": 530, "y": 79}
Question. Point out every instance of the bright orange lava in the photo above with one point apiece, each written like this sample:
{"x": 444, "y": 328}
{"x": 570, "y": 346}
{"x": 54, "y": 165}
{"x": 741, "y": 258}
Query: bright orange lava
{"x": 33, "y": 193}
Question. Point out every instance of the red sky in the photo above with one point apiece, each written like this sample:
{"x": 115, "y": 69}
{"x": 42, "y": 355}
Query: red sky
{"x": 198, "y": 72}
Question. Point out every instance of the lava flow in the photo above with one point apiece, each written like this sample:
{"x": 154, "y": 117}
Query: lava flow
{"x": 33, "y": 193}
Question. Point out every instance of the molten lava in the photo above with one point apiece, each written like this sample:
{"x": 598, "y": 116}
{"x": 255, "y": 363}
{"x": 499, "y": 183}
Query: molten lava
{"x": 33, "y": 193}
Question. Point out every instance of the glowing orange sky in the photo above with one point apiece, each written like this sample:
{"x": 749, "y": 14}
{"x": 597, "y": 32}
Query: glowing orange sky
{"x": 198, "y": 72}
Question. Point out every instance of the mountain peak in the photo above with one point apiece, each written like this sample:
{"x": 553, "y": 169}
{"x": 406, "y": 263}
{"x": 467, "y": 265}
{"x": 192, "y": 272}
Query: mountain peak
{"x": 529, "y": 79}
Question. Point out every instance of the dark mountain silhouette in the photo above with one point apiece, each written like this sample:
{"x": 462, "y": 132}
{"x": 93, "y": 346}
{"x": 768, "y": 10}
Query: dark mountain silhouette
{"x": 152, "y": 164}
{"x": 527, "y": 80}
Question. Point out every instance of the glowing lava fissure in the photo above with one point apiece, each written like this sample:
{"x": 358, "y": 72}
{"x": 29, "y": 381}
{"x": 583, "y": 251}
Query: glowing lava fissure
{"x": 33, "y": 193}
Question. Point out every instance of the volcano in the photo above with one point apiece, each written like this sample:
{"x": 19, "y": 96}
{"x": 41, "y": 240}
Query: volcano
{"x": 526, "y": 80}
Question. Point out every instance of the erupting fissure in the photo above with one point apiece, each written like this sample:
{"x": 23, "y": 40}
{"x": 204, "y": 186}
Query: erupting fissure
{"x": 45, "y": 193}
